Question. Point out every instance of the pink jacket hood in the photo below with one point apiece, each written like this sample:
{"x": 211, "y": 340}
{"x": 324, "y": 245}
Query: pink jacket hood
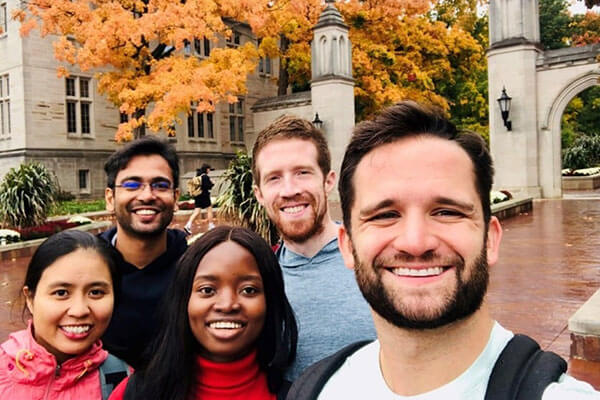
{"x": 28, "y": 370}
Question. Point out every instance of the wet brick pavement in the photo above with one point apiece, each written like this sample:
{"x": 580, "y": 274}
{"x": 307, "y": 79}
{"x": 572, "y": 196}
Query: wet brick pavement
{"x": 549, "y": 266}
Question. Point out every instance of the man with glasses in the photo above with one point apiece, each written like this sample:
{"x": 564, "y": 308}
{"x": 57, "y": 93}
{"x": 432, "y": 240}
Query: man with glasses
{"x": 142, "y": 192}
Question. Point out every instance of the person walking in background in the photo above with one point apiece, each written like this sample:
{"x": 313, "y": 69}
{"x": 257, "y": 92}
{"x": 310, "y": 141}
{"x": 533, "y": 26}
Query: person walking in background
{"x": 227, "y": 329}
{"x": 199, "y": 187}
{"x": 70, "y": 287}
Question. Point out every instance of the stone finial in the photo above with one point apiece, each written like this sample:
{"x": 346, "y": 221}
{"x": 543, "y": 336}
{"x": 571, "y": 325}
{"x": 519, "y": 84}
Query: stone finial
{"x": 330, "y": 16}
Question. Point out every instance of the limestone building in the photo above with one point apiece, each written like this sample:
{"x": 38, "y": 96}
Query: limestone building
{"x": 68, "y": 126}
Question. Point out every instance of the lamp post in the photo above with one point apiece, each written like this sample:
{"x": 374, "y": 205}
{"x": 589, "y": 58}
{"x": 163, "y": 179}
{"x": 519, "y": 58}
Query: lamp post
{"x": 317, "y": 122}
{"x": 504, "y": 103}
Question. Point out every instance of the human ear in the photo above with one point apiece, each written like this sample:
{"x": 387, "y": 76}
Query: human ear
{"x": 28, "y": 299}
{"x": 330, "y": 181}
{"x": 258, "y": 194}
{"x": 346, "y": 248}
{"x": 494, "y": 237}
{"x": 110, "y": 199}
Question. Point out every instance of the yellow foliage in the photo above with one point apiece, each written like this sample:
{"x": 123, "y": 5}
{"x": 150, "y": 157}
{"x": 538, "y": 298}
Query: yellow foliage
{"x": 136, "y": 44}
{"x": 398, "y": 52}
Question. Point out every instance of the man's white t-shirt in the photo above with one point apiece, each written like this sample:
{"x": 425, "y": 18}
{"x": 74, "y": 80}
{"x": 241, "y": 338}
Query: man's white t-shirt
{"x": 360, "y": 378}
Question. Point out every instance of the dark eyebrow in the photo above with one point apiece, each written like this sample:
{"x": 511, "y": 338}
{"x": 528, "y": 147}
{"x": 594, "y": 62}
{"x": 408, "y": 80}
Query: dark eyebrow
{"x": 139, "y": 179}
{"x": 213, "y": 278}
{"x": 70, "y": 285}
{"x": 255, "y": 278}
{"x": 60, "y": 284}
{"x": 369, "y": 210}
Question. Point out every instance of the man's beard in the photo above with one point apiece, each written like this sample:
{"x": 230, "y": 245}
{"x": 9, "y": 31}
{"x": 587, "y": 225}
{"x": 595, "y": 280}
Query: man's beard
{"x": 125, "y": 221}
{"x": 463, "y": 302}
{"x": 301, "y": 231}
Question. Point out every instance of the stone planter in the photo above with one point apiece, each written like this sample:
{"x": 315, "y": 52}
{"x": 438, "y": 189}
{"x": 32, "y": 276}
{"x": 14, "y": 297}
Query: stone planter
{"x": 511, "y": 208}
{"x": 28, "y": 247}
{"x": 589, "y": 182}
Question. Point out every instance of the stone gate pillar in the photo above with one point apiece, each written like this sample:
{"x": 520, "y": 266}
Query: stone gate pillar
{"x": 514, "y": 47}
{"x": 332, "y": 85}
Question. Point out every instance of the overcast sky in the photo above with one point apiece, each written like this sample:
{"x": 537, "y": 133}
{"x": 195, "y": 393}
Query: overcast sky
{"x": 578, "y": 7}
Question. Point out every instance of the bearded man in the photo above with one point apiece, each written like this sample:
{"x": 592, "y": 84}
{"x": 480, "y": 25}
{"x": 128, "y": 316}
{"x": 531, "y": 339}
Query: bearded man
{"x": 142, "y": 192}
{"x": 291, "y": 164}
{"x": 419, "y": 234}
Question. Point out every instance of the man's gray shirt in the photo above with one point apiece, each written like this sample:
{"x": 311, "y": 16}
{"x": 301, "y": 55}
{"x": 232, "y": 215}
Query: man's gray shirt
{"x": 328, "y": 305}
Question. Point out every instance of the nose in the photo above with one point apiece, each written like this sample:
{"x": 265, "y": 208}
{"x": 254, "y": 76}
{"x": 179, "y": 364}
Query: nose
{"x": 415, "y": 236}
{"x": 145, "y": 192}
{"x": 289, "y": 187}
{"x": 227, "y": 301}
{"x": 79, "y": 307}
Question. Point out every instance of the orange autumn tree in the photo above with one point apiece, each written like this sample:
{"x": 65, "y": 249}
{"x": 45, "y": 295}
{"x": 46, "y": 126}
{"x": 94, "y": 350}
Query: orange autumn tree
{"x": 399, "y": 51}
{"x": 136, "y": 45}
{"x": 586, "y": 29}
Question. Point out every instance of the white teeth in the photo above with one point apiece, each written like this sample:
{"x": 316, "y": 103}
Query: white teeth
{"x": 225, "y": 325}
{"x": 76, "y": 328}
{"x": 418, "y": 272}
{"x": 145, "y": 212}
{"x": 292, "y": 210}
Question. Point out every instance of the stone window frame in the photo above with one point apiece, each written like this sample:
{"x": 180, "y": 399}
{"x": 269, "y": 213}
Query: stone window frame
{"x": 198, "y": 123}
{"x": 199, "y": 47}
{"x": 237, "y": 120}
{"x": 235, "y": 40}
{"x": 3, "y": 19}
{"x": 79, "y": 106}
{"x": 83, "y": 180}
{"x": 265, "y": 64}
{"x": 5, "y": 120}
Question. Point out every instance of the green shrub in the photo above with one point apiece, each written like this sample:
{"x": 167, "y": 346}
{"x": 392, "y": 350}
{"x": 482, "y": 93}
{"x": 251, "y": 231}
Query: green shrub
{"x": 26, "y": 195}
{"x": 237, "y": 203}
{"x": 584, "y": 153}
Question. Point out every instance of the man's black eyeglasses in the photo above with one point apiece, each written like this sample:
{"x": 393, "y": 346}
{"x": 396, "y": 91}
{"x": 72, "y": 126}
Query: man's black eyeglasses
{"x": 134, "y": 186}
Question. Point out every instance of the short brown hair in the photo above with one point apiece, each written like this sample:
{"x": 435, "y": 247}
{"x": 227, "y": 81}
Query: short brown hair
{"x": 290, "y": 127}
{"x": 410, "y": 119}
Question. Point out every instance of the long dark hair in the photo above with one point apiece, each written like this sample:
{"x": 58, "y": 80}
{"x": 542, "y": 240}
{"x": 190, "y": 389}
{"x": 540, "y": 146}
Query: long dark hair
{"x": 66, "y": 242}
{"x": 170, "y": 370}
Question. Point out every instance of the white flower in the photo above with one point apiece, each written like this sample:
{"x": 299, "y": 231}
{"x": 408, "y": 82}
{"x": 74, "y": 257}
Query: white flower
{"x": 497, "y": 197}
{"x": 79, "y": 219}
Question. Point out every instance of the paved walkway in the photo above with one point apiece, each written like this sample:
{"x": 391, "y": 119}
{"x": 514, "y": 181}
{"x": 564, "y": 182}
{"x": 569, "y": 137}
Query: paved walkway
{"x": 549, "y": 266}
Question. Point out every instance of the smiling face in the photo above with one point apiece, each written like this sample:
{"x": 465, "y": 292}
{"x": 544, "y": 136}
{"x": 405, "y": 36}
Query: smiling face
{"x": 144, "y": 212}
{"x": 227, "y": 307}
{"x": 72, "y": 304}
{"x": 292, "y": 188}
{"x": 418, "y": 240}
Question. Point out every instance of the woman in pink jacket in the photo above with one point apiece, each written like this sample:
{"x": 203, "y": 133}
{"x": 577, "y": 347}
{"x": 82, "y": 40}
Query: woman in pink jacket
{"x": 69, "y": 290}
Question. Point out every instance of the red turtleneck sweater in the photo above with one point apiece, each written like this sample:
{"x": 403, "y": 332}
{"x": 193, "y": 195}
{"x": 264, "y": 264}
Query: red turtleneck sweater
{"x": 237, "y": 380}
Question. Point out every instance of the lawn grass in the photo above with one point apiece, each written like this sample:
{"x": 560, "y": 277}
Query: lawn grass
{"x": 72, "y": 207}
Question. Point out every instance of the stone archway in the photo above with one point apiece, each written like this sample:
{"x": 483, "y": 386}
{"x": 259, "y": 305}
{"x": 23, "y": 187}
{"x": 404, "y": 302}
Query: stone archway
{"x": 541, "y": 84}
{"x": 550, "y": 131}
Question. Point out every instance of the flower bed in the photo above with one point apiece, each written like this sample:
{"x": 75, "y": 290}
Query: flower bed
{"x": 41, "y": 231}
{"x": 581, "y": 172}
{"x": 186, "y": 205}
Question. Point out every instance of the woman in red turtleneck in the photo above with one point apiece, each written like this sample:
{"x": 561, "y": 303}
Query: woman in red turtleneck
{"x": 228, "y": 331}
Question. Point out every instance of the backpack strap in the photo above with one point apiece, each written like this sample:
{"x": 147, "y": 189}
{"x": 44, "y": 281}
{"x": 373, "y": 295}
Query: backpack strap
{"x": 310, "y": 383}
{"x": 523, "y": 371}
{"x": 283, "y": 390}
{"x": 112, "y": 371}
